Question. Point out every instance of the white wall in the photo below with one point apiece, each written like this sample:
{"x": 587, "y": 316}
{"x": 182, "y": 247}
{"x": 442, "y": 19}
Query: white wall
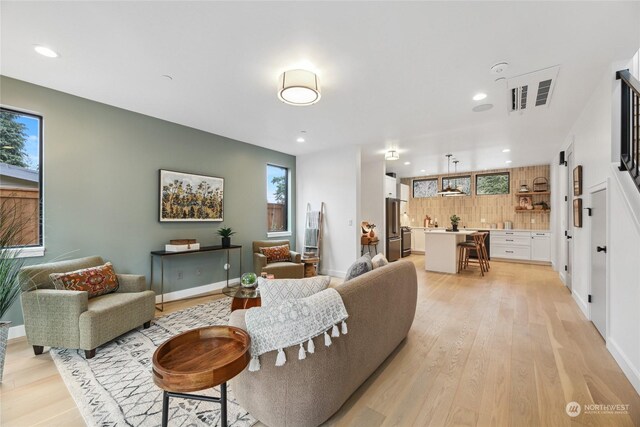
{"x": 593, "y": 137}
{"x": 332, "y": 177}
{"x": 373, "y": 197}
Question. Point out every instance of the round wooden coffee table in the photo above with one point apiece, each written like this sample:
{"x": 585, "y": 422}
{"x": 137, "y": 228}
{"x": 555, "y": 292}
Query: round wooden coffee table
{"x": 200, "y": 359}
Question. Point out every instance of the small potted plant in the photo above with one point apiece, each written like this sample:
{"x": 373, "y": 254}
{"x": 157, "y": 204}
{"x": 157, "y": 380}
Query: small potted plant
{"x": 455, "y": 219}
{"x": 226, "y": 233}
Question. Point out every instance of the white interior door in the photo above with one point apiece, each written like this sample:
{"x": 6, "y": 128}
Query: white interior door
{"x": 569, "y": 229}
{"x": 599, "y": 261}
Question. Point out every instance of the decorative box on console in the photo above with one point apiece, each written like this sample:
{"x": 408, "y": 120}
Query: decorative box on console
{"x": 181, "y": 247}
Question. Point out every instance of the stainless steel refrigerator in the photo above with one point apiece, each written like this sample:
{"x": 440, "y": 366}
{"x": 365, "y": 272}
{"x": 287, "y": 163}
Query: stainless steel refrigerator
{"x": 392, "y": 230}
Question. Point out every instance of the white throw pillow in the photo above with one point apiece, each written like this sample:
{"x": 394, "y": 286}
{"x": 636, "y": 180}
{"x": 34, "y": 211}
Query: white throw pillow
{"x": 379, "y": 261}
{"x": 274, "y": 291}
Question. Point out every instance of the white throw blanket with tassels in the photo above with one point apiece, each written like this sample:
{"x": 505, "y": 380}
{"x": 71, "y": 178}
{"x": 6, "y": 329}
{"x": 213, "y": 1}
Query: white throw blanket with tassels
{"x": 295, "y": 322}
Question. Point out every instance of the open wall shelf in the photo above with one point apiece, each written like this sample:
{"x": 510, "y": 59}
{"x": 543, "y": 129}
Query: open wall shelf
{"x": 534, "y": 193}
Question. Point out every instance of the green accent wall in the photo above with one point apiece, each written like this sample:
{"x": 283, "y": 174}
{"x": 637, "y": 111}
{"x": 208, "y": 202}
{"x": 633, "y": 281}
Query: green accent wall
{"x": 101, "y": 187}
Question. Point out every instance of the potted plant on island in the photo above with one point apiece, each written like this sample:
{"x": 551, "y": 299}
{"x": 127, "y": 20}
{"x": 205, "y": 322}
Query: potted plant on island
{"x": 226, "y": 233}
{"x": 10, "y": 265}
{"x": 455, "y": 219}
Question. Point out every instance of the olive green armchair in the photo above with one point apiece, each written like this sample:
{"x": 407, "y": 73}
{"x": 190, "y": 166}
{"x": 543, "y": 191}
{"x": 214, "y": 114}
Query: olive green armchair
{"x": 69, "y": 319}
{"x": 292, "y": 269}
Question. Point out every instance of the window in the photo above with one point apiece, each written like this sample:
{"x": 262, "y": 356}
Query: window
{"x": 495, "y": 183}
{"x": 460, "y": 182}
{"x": 425, "y": 187}
{"x": 21, "y": 178}
{"x": 277, "y": 199}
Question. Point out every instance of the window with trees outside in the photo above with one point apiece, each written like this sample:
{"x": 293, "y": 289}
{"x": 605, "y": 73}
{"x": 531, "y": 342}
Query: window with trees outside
{"x": 425, "y": 187}
{"x": 21, "y": 178}
{"x": 462, "y": 183}
{"x": 277, "y": 199}
{"x": 495, "y": 183}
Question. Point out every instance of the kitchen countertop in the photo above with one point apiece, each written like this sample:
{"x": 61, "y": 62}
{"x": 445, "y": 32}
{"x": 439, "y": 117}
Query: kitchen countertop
{"x": 490, "y": 229}
{"x": 444, "y": 231}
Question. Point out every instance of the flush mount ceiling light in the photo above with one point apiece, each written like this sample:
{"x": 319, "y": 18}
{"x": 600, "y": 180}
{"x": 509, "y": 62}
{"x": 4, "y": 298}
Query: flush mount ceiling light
{"x": 449, "y": 191}
{"x": 508, "y": 161}
{"x": 299, "y": 87}
{"x": 479, "y": 96}
{"x": 45, "y": 51}
{"x": 506, "y": 150}
{"x": 391, "y": 155}
{"x": 407, "y": 163}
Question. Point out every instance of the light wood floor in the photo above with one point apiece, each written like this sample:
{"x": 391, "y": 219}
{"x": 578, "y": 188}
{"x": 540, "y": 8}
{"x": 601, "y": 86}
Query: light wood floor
{"x": 509, "y": 349}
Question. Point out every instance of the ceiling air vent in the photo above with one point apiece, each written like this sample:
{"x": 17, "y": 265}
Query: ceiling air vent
{"x": 532, "y": 90}
{"x": 519, "y": 98}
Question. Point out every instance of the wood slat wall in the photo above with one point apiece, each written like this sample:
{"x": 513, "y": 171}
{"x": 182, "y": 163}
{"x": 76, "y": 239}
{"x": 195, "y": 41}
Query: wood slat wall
{"x": 472, "y": 209}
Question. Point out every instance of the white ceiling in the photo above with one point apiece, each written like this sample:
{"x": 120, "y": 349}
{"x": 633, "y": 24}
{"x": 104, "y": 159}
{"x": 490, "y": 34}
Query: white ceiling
{"x": 391, "y": 72}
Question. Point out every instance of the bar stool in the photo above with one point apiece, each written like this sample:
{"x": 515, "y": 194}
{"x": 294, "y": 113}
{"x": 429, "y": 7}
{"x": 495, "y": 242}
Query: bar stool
{"x": 465, "y": 248}
{"x": 485, "y": 254}
{"x": 369, "y": 243}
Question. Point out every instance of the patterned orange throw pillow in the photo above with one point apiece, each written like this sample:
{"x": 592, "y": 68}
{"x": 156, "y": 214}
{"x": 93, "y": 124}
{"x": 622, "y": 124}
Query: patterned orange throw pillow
{"x": 276, "y": 253}
{"x": 95, "y": 280}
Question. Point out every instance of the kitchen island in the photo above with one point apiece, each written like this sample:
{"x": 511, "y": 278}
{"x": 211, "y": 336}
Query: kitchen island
{"x": 441, "y": 249}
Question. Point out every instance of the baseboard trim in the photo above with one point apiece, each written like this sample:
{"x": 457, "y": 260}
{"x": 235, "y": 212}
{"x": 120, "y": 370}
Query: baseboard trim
{"x": 195, "y": 291}
{"x": 16, "y": 332}
{"x": 581, "y": 304}
{"x": 623, "y": 361}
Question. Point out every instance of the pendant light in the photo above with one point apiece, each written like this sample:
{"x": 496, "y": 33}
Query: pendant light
{"x": 458, "y": 191}
{"x": 448, "y": 190}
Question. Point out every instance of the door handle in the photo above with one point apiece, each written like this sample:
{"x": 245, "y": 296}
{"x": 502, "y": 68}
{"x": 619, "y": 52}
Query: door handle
{"x": 601, "y": 249}
{"x": 569, "y": 237}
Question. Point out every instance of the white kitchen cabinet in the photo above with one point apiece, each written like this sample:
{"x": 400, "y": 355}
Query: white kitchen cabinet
{"x": 403, "y": 192}
{"x": 521, "y": 245}
{"x": 390, "y": 188}
{"x": 511, "y": 244}
{"x": 417, "y": 240}
{"x": 540, "y": 247}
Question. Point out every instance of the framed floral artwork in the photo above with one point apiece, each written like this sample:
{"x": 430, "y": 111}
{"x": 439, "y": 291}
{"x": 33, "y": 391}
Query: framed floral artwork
{"x": 187, "y": 197}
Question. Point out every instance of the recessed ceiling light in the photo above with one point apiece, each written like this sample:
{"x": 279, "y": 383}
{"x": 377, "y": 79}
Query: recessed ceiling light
{"x": 508, "y": 161}
{"x": 479, "y": 96}
{"x": 423, "y": 170}
{"x": 300, "y": 139}
{"x": 506, "y": 150}
{"x": 45, "y": 51}
{"x": 407, "y": 163}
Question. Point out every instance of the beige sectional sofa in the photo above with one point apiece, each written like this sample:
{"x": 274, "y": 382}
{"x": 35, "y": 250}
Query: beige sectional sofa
{"x": 381, "y": 306}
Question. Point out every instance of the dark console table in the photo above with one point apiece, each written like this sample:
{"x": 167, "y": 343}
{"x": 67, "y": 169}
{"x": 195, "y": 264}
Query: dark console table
{"x": 163, "y": 254}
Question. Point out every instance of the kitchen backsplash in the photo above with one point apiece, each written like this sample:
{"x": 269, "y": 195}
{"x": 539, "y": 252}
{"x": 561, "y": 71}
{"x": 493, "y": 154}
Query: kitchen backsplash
{"x": 473, "y": 209}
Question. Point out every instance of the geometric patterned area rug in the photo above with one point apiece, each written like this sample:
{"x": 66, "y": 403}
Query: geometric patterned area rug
{"x": 115, "y": 388}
